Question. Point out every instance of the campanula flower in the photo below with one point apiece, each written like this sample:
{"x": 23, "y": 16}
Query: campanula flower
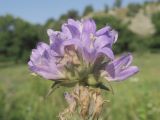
{"x": 90, "y": 43}
{"x": 80, "y": 55}
{"x": 80, "y": 52}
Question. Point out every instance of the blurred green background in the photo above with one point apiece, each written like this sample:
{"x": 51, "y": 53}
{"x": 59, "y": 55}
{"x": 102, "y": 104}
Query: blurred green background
{"x": 22, "y": 95}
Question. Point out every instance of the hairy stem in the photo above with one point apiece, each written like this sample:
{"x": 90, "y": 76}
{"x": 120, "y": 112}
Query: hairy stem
{"x": 85, "y": 101}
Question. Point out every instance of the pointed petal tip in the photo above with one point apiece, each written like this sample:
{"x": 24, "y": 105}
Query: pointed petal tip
{"x": 124, "y": 75}
{"x": 50, "y": 32}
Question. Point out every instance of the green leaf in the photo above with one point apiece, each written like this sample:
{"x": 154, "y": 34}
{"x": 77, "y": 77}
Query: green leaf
{"x": 54, "y": 86}
{"x": 102, "y": 86}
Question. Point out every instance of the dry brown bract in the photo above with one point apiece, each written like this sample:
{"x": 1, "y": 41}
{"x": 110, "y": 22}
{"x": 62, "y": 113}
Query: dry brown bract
{"x": 89, "y": 101}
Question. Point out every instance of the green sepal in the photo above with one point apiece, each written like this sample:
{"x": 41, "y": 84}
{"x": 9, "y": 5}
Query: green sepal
{"x": 53, "y": 87}
{"x": 106, "y": 83}
{"x": 70, "y": 83}
{"x": 103, "y": 87}
{"x": 91, "y": 80}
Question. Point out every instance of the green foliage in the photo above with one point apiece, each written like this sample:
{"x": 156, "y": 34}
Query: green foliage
{"x": 72, "y": 14}
{"x": 156, "y": 21}
{"x": 133, "y": 9}
{"x": 154, "y": 44}
{"x": 22, "y": 95}
{"x": 89, "y": 9}
{"x": 155, "y": 40}
{"x": 118, "y": 3}
{"x": 106, "y": 8}
{"x": 17, "y": 37}
{"x": 50, "y": 23}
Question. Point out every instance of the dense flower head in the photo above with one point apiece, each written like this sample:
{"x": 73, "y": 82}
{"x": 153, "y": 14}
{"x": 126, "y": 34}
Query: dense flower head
{"x": 79, "y": 52}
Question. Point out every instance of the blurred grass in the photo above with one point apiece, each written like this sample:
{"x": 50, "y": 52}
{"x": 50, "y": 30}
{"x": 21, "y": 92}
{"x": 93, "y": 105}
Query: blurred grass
{"x": 22, "y": 95}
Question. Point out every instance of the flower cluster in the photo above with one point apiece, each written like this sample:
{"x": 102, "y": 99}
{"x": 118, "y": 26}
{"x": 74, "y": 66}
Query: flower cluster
{"x": 78, "y": 53}
{"x": 80, "y": 56}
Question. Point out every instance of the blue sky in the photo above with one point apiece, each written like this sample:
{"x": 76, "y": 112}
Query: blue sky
{"x": 38, "y": 11}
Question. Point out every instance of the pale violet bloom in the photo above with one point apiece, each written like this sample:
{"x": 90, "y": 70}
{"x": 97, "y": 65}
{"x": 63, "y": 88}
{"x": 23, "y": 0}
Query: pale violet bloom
{"x": 43, "y": 62}
{"x": 121, "y": 69}
{"x": 78, "y": 52}
{"x": 89, "y": 42}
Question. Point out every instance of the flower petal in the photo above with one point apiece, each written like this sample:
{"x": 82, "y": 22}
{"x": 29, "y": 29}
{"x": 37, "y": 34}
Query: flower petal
{"x": 103, "y": 31}
{"x": 130, "y": 71}
{"x": 89, "y": 26}
{"x": 76, "y": 24}
{"x": 41, "y": 47}
{"x": 66, "y": 31}
{"x": 105, "y": 51}
{"x": 110, "y": 69}
{"x": 52, "y": 35}
{"x": 114, "y": 35}
{"x": 88, "y": 55}
{"x": 45, "y": 66}
{"x": 123, "y": 62}
{"x": 102, "y": 41}
{"x": 57, "y": 46}
{"x": 74, "y": 31}
{"x": 46, "y": 73}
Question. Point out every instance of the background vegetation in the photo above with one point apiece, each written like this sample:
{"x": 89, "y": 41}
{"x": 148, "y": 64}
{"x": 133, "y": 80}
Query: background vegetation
{"x": 22, "y": 95}
{"x": 18, "y": 37}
